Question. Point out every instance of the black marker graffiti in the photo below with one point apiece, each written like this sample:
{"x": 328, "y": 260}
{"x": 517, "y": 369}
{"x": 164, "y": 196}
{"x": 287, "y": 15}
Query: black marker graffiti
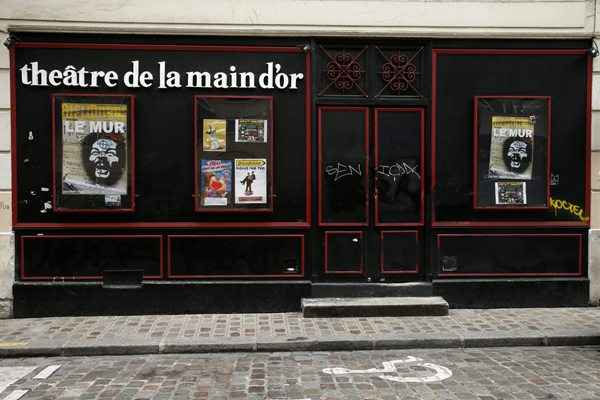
{"x": 398, "y": 169}
{"x": 341, "y": 170}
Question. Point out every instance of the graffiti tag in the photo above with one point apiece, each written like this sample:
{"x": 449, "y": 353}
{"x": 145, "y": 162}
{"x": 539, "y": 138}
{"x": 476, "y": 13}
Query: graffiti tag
{"x": 341, "y": 170}
{"x": 398, "y": 169}
{"x": 573, "y": 209}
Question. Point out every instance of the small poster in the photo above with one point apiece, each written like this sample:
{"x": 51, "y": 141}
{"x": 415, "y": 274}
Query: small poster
{"x": 251, "y": 130}
{"x": 511, "y": 193}
{"x": 214, "y": 135}
{"x": 94, "y": 150}
{"x": 511, "y": 147}
{"x": 251, "y": 181}
{"x": 215, "y": 182}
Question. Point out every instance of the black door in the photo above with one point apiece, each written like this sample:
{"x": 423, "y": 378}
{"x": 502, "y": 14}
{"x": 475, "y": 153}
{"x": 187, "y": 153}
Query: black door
{"x": 371, "y": 193}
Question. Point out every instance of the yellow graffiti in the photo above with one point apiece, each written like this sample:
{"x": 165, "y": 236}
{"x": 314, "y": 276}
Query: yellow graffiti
{"x": 574, "y": 209}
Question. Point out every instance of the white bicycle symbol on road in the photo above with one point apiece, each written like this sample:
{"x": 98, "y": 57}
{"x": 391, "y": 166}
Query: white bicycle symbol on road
{"x": 440, "y": 373}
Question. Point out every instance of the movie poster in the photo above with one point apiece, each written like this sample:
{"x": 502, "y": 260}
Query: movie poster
{"x": 251, "y": 130}
{"x": 215, "y": 182}
{"x": 214, "y": 135}
{"x": 511, "y": 147}
{"x": 94, "y": 150}
{"x": 251, "y": 181}
{"x": 511, "y": 193}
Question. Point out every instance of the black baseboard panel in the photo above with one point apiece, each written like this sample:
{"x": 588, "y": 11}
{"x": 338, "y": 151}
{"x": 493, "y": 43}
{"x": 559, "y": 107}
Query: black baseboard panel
{"x": 413, "y": 289}
{"x": 497, "y": 293}
{"x": 87, "y": 299}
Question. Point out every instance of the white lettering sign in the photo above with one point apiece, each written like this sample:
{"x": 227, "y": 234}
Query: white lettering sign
{"x": 273, "y": 77}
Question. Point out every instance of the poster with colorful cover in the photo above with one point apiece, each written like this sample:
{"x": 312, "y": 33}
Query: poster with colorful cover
{"x": 251, "y": 130}
{"x": 215, "y": 182}
{"x": 214, "y": 135}
{"x": 511, "y": 147}
{"x": 94, "y": 149}
{"x": 250, "y": 181}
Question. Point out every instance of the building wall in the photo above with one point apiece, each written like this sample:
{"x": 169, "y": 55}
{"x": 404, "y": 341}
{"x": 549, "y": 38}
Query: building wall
{"x": 397, "y": 18}
{"x": 594, "y": 238}
{"x": 6, "y": 236}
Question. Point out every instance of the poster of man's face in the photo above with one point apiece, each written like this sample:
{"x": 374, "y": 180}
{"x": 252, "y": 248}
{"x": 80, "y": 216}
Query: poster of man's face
{"x": 103, "y": 158}
{"x": 94, "y": 148}
{"x": 517, "y": 154}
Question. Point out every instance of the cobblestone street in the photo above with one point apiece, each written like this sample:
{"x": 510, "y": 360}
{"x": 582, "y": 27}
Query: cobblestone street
{"x": 478, "y": 374}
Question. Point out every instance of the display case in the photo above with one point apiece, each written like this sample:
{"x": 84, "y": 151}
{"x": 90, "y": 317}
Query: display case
{"x": 233, "y": 141}
{"x": 93, "y": 153}
{"x": 511, "y": 152}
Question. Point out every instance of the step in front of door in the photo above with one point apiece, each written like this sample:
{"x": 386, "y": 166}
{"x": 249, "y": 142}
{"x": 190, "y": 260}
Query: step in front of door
{"x": 374, "y": 307}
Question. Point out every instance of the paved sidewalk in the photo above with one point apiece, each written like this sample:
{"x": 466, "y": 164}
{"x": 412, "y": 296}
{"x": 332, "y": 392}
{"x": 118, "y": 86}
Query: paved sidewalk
{"x": 204, "y": 333}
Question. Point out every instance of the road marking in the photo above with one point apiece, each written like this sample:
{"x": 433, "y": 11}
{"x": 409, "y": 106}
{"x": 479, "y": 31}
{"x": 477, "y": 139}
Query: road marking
{"x": 16, "y": 395}
{"x": 46, "y": 372}
{"x": 9, "y": 345}
{"x": 9, "y": 375}
{"x": 441, "y": 373}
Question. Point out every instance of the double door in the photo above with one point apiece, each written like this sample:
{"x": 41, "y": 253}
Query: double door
{"x": 371, "y": 192}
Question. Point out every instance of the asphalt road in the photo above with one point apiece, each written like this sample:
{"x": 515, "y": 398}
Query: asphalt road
{"x": 484, "y": 374}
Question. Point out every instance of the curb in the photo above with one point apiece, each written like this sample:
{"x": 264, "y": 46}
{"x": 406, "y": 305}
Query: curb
{"x": 296, "y": 344}
{"x": 275, "y": 344}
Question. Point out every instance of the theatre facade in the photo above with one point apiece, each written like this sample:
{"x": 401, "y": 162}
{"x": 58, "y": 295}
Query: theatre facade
{"x": 212, "y": 173}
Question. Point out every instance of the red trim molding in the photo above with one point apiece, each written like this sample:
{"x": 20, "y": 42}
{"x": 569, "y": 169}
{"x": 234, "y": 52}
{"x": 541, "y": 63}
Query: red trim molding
{"x": 162, "y": 225}
{"x": 23, "y": 275}
{"x": 14, "y": 149}
{"x": 382, "y": 267}
{"x": 162, "y": 47}
{"x": 358, "y": 269}
{"x": 476, "y": 152}
{"x": 170, "y": 274}
{"x": 421, "y": 113}
{"x": 296, "y": 224}
{"x": 515, "y": 274}
{"x": 130, "y": 149}
{"x": 270, "y": 161}
{"x": 436, "y": 53}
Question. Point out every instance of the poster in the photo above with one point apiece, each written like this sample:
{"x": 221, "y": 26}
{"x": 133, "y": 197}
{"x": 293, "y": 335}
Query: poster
{"x": 251, "y": 130}
{"x": 214, "y": 135}
{"x": 250, "y": 181}
{"x": 215, "y": 182}
{"x": 511, "y": 147}
{"x": 511, "y": 193}
{"x": 94, "y": 150}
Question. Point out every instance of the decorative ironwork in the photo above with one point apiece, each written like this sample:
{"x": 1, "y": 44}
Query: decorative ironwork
{"x": 400, "y": 73}
{"x": 343, "y": 72}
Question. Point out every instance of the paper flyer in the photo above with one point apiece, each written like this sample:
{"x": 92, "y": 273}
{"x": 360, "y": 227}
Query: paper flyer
{"x": 511, "y": 147}
{"x": 215, "y": 182}
{"x": 94, "y": 149}
{"x": 251, "y": 181}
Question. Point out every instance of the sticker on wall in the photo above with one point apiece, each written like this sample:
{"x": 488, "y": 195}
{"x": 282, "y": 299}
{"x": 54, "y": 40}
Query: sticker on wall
{"x": 5, "y": 212}
{"x": 511, "y": 147}
{"x": 215, "y": 182}
{"x": 251, "y": 130}
{"x": 214, "y": 135}
{"x": 251, "y": 181}
{"x": 511, "y": 193}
